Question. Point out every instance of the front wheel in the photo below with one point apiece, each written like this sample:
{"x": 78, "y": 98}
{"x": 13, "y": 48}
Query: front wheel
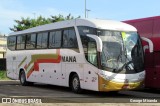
{"x": 75, "y": 84}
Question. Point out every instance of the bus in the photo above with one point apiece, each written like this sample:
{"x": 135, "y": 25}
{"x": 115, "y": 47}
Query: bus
{"x": 149, "y": 28}
{"x": 91, "y": 54}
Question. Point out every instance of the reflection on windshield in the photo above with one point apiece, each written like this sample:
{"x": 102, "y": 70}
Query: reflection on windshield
{"x": 112, "y": 47}
{"x": 121, "y": 50}
{"x": 130, "y": 40}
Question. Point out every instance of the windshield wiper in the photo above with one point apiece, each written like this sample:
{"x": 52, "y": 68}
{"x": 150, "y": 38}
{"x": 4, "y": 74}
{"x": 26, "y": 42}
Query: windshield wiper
{"x": 127, "y": 67}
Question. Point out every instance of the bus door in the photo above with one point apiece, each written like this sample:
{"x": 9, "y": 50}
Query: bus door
{"x": 90, "y": 76}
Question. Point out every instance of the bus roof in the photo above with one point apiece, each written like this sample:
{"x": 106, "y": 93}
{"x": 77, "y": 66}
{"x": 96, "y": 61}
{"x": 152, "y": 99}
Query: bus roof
{"x": 143, "y": 19}
{"x": 96, "y": 23}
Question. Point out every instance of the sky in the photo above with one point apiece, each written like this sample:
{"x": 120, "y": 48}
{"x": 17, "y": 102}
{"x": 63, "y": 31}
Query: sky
{"x": 102, "y": 9}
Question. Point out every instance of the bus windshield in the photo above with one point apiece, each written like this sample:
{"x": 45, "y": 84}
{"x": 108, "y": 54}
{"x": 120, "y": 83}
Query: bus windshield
{"x": 122, "y": 51}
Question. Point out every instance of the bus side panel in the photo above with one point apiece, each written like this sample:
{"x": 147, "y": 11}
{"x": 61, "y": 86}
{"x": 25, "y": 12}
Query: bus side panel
{"x": 90, "y": 77}
{"x": 43, "y": 67}
{"x": 157, "y": 70}
{"x": 71, "y": 61}
{"x": 76, "y": 68}
{"x": 156, "y": 28}
{"x": 49, "y": 73}
{"x": 11, "y": 65}
{"x": 149, "y": 78}
{"x": 10, "y": 70}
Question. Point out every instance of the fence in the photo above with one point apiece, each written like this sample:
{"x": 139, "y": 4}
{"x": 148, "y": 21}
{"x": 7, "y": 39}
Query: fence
{"x": 3, "y": 64}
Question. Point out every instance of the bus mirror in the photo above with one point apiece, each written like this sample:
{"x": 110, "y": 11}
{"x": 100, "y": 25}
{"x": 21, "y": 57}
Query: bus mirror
{"x": 98, "y": 41}
{"x": 150, "y": 43}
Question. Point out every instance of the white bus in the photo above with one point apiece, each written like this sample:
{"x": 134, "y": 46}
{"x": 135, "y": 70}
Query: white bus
{"x": 98, "y": 55}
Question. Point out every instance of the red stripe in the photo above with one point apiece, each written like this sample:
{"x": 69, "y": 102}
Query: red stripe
{"x": 36, "y": 63}
{"x": 36, "y": 66}
{"x": 49, "y": 60}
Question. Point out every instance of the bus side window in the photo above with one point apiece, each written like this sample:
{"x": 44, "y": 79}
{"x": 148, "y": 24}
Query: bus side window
{"x": 31, "y": 41}
{"x": 11, "y": 42}
{"x": 55, "y": 39}
{"x": 72, "y": 39}
{"x": 69, "y": 38}
{"x": 58, "y": 38}
{"x": 21, "y": 42}
{"x": 52, "y": 39}
{"x": 42, "y": 40}
{"x": 92, "y": 53}
{"x": 65, "y": 38}
{"x": 39, "y": 40}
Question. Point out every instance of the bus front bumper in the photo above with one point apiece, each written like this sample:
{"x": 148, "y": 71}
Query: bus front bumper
{"x": 105, "y": 85}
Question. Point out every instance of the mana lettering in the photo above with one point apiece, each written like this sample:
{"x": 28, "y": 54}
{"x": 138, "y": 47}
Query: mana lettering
{"x": 68, "y": 58}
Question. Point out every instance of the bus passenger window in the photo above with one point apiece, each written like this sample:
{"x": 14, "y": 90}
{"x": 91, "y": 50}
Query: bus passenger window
{"x": 42, "y": 40}
{"x": 65, "y": 38}
{"x": 58, "y": 38}
{"x": 72, "y": 39}
{"x": 11, "y": 42}
{"x": 21, "y": 42}
{"x": 39, "y": 40}
{"x": 69, "y": 38}
{"x": 31, "y": 41}
{"x": 55, "y": 39}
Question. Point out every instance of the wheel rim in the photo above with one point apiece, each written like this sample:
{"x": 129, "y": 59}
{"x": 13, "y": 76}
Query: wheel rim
{"x": 75, "y": 83}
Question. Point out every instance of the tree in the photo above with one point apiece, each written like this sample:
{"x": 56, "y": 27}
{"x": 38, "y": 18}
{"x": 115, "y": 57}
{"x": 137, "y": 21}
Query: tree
{"x": 26, "y": 23}
{"x": 29, "y": 23}
{"x": 62, "y": 18}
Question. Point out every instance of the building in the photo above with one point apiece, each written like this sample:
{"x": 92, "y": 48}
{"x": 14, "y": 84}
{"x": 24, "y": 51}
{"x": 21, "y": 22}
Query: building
{"x": 3, "y": 46}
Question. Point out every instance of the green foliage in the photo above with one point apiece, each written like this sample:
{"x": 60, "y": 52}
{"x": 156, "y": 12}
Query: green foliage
{"x": 26, "y": 23}
{"x": 3, "y": 75}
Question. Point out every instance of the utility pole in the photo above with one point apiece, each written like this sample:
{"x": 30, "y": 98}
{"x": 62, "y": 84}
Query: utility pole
{"x": 85, "y": 9}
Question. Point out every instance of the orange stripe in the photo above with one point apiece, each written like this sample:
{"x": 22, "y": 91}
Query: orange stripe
{"x": 30, "y": 72}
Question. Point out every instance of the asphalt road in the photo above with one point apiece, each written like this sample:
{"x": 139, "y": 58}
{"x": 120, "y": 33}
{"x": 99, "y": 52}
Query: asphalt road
{"x": 56, "y": 94}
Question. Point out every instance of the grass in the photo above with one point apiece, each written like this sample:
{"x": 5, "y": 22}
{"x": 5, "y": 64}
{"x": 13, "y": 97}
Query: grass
{"x": 3, "y": 75}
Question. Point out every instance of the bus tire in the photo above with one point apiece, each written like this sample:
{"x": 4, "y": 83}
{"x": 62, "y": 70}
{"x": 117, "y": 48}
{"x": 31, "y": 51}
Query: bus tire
{"x": 22, "y": 78}
{"x": 75, "y": 84}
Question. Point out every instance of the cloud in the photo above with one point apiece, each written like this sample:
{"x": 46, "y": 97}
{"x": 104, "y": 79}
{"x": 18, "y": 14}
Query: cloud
{"x": 14, "y": 9}
{"x": 7, "y": 18}
{"x": 9, "y": 11}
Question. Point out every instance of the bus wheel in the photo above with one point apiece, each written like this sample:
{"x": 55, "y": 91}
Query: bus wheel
{"x": 75, "y": 84}
{"x": 22, "y": 78}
